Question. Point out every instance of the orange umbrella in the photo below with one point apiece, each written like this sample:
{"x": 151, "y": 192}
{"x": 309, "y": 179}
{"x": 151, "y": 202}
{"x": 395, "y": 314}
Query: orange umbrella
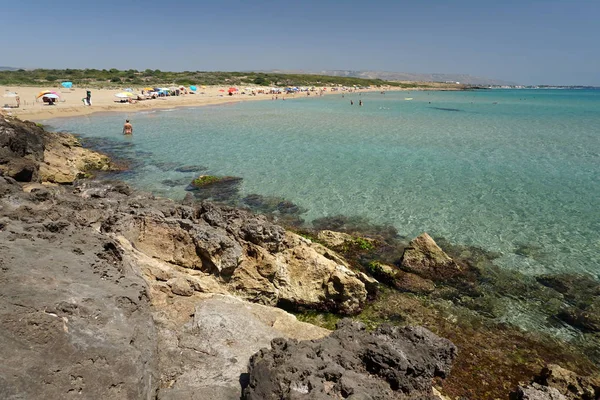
{"x": 45, "y": 92}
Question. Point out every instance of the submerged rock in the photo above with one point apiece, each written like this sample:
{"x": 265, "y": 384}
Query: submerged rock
{"x": 191, "y": 168}
{"x": 389, "y": 363}
{"x": 216, "y": 188}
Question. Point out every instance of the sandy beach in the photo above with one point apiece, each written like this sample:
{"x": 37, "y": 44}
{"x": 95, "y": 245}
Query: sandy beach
{"x": 70, "y": 103}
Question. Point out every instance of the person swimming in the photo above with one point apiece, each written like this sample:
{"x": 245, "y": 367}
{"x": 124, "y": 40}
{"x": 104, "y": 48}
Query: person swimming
{"x": 127, "y": 128}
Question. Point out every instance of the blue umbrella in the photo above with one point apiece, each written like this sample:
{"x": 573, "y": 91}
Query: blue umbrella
{"x": 193, "y": 88}
{"x": 67, "y": 85}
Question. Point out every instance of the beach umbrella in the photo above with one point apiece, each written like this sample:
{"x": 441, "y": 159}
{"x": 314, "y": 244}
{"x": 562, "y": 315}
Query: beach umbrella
{"x": 124, "y": 95}
{"x": 193, "y": 88}
{"x": 149, "y": 88}
{"x": 43, "y": 92}
{"x": 221, "y": 90}
{"x": 203, "y": 87}
{"x": 129, "y": 90}
{"x": 67, "y": 85}
{"x": 50, "y": 96}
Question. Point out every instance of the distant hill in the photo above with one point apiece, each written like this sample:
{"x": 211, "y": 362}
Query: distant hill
{"x": 406, "y": 76}
{"x": 8, "y": 69}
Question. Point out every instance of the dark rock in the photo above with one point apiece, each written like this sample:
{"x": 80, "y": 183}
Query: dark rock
{"x": 575, "y": 287}
{"x": 176, "y": 182}
{"x": 587, "y": 319}
{"x": 21, "y": 150}
{"x": 389, "y": 363}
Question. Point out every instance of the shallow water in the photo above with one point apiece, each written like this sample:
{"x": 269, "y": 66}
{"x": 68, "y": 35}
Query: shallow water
{"x": 511, "y": 171}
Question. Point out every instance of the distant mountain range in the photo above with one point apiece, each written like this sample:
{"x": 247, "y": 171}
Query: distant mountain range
{"x": 8, "y": 69}
{"x": 403, "y": 76}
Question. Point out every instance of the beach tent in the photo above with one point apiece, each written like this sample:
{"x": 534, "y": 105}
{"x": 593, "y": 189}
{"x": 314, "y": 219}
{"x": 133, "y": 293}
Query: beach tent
{"x": 193, "y": 88}
{"x": 67, "y": 85}
{"x": 129, "y": 90}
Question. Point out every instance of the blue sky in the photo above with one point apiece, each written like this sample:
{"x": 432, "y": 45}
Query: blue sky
{"x": 527, "y": 41}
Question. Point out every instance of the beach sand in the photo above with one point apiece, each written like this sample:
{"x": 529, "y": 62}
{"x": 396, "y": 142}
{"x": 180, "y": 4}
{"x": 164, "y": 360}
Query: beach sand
{"x": 70, "y": 103}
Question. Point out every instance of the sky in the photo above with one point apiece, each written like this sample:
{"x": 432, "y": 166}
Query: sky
{"x": 523, "y": 41}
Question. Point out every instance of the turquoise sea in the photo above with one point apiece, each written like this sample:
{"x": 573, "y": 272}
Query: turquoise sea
{"x": 512, "y": 171}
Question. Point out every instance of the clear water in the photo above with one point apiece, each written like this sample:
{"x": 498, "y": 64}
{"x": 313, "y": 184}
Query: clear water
{"x": 512, "y": 171}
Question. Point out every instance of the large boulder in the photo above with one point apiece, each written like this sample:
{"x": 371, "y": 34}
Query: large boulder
{"x": 21, "y": 150}
{"x": 75, "y": 320}
{"x": 390, "y": 363}
{"x": 249, "y": 255}
{"x": 65, "y": 160}
{"x": 206, "y": 356}
{"x": 426, "y": 259}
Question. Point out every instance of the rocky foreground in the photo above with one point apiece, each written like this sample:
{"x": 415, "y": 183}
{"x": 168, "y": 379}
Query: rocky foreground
{"x": 110, "y": 293}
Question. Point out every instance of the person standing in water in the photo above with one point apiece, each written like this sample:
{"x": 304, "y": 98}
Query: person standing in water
{"x": 127, "y": 128}
{"x": 360, "y": 103}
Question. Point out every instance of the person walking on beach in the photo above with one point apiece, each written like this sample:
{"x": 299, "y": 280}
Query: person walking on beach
{"x": 88, "y": 98}
{"x": 127, "y": 128}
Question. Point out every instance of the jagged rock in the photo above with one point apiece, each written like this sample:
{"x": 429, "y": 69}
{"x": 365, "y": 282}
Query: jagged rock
{"x": 74, "y": 320}
{"x": 557, "y": 383}
{"x": 205, "y": 356}
{"x": 252, "y": 256}
{"x": 426, "y": 259}
{"x": 536, "y": 392}
{"x": 333, "y": 239}
{"x": 389, "y": 363}
{"x": 21, "y": 150}
{"x": 569, "y": 383}
{"x": 65, "y": 160}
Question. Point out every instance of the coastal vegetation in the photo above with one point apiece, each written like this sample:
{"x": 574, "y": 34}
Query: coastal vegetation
{"x": 101, "y": 78}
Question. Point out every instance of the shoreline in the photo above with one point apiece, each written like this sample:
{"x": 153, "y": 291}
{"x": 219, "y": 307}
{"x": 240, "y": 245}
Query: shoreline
{"x": 103, "y": 100}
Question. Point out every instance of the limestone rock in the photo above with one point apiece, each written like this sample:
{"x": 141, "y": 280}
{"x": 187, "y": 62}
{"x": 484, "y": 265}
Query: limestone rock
{"x": 251, "y": 256}
{"x": 180, "y": 286}
{"x": 206, "y": 356}
{"x": 65, "y": 160}
{"x": 389, "y": 363}
{"x": 426, "y": 259}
